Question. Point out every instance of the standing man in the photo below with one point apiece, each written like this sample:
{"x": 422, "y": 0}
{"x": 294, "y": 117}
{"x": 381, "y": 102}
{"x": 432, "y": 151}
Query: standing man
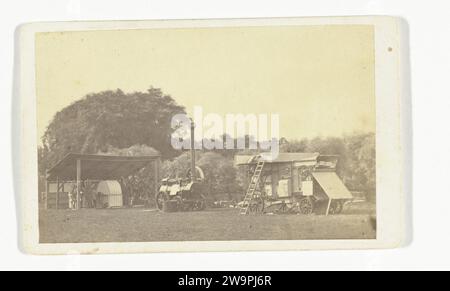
{"x": 124, "y": 186}
{"x": 73, "y": 197}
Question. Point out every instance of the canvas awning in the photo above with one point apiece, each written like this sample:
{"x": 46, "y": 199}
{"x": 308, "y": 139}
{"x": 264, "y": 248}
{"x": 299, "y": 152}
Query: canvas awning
{"x": 98, "y": 167}
{"x": 332, "y": 185}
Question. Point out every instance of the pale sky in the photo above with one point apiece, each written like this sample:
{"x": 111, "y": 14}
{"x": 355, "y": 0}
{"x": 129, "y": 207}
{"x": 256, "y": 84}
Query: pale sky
{"x": 319, "y": 79}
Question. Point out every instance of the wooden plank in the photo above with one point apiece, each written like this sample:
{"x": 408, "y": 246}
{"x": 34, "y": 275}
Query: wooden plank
{"x": 328, "y": 207}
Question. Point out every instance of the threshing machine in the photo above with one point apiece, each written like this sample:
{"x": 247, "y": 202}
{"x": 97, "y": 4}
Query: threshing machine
{"x": 303, "y": 183}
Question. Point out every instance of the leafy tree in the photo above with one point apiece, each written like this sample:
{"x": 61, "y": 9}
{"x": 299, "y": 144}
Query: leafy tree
{"x": 220, "y": 173}
{"x": 112, "y": 119}
{"x": 108, "y": 121}
{"x": 357, "y": 159}
{"x": 177, "y": 167}
{"x": 133, "y": 151}
{"x": 361, "y": 163}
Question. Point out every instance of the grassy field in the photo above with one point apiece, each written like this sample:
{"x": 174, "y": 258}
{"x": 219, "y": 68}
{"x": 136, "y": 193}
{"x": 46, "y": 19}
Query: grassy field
{"x": 144, "y": 225}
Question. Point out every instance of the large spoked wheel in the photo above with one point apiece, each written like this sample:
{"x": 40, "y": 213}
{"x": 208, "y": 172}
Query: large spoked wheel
{"x": 306, "y": 206}
{"x": 256, "y": 206}
{"x": 161, "y": 197}
{"x": 199, "y": 205}
{"x": 336, "y": 207}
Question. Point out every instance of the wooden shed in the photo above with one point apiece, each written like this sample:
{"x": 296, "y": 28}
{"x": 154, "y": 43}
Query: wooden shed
{"x": 75, "y": 169}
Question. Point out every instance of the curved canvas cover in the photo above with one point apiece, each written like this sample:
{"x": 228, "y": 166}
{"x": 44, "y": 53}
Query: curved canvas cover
{"x": 112, "y": 191}
{"x": 332, "y": 185}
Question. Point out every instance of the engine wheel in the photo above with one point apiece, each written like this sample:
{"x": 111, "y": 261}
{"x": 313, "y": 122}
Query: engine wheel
{"x": 256, "y": 206}
{"x": 306, "y": 206}
{"x": 336, "y": 207}
{"x": 199, "y": 205}
{"x": 161, "y": 197}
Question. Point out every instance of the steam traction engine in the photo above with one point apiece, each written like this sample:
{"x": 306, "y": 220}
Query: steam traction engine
{"x": 187, "y": 193}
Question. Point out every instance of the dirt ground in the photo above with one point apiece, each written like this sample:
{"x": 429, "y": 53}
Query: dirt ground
{"x": 145, "y": 225}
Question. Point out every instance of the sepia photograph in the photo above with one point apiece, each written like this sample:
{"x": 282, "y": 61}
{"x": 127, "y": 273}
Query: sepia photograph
{"x": 108, "y": 103}
{"x": 207, "y": 131}
{"x": 224, "y": 143}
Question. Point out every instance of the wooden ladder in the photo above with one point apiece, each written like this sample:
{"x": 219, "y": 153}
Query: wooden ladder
{"x": 252, "y": 187}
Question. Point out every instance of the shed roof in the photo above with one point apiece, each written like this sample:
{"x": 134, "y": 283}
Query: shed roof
{"x": 98, "y": 167}
{"x": 240, "y": 160}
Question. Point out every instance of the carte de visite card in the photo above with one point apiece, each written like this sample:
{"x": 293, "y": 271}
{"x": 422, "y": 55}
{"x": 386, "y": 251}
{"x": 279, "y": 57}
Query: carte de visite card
{"x": 211, "y": 135}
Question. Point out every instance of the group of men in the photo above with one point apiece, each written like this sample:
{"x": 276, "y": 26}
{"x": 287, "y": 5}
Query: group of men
{"x": 87, "y": 195}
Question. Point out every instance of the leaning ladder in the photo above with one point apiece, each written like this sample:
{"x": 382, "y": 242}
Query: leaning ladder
{"x": 252, "y": 187}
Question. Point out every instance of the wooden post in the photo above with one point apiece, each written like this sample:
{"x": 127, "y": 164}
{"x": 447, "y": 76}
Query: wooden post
{"x": 291, "y": 180}
{"x": 57, "y": 193}
{"x": 328, "y": 207}
{"x": 156, "y": 162}
{"x": 61, "y": 189}
{"x": 46, "y": 193}
{"x": 78, "y": 183}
